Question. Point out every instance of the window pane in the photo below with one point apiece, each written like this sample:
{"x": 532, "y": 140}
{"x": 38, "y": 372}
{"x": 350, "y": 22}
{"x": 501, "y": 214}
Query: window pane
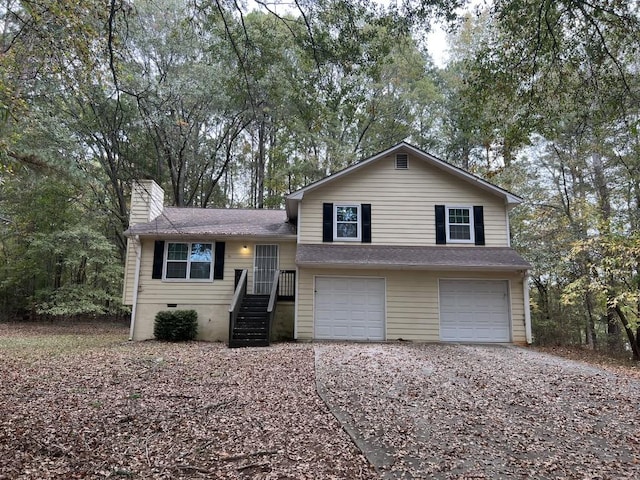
{"x": 201, "y": 252}
{"x": 200, "y": 270}
{"x": 459, "y": 215}
{"x": 347, "y": 230}
{"x": 176, "y": 270}
{"x": 177, "y": 251}
{"x": 459, "y": 232}
{"x": 347, "y": 214}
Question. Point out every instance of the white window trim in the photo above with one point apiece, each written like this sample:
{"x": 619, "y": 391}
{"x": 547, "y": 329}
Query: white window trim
{"x": 335, "y": 222}
{"x": 471, "y": 229}
{"x": 187, "y": 279}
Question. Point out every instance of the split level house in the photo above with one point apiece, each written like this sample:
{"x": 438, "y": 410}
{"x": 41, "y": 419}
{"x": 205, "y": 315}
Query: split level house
{"x": 401, "y": 245}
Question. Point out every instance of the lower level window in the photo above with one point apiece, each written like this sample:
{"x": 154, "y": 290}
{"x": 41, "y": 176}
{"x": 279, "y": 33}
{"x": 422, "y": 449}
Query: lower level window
{"x": 188, "y": 261}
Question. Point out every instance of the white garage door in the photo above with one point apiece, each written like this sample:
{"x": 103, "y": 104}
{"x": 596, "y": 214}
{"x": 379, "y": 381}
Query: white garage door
{"x": 349, "y": 308}
{"x": 474, "y": 311}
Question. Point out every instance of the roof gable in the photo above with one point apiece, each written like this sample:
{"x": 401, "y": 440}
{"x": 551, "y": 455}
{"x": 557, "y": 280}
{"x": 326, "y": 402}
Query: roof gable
{"x": 403, "y": 147}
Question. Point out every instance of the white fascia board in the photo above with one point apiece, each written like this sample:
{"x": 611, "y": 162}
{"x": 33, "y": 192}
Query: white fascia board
{"x": 510, "y": 199}
{"x": 297, "y": 195}
{"x": 294, "y": 198}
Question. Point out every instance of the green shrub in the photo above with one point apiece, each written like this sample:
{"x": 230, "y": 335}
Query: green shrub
{"x": 176, "y": 325}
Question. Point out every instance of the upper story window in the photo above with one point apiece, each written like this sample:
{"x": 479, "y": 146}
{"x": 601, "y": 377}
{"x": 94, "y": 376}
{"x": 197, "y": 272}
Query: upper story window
{"x": 188, "y": 261}
{"x": 347, "y": 223}
{"x": 459, "y": 225}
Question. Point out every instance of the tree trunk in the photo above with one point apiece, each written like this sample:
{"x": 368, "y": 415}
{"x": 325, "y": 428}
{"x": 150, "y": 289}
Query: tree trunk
{"x": 613, "y": 331}
{"x": 260, "y": 164}
{"x": 590, "y": 326}
{"x": 57, "y": 273}
{"x": 633, "y": 339}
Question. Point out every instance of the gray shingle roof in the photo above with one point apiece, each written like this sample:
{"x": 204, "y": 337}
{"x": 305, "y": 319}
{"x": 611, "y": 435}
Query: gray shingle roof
{"x": 421, "y": 257}
{"x": 221, "y": 222}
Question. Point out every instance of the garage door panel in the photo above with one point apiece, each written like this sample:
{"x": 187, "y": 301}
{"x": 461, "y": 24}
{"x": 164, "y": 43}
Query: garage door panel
{"x": 474, "y": 311}
{"x": 349, "y": 308}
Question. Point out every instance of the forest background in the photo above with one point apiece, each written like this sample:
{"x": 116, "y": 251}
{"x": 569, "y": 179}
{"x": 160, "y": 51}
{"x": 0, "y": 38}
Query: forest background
{"x": 233, "y": 105}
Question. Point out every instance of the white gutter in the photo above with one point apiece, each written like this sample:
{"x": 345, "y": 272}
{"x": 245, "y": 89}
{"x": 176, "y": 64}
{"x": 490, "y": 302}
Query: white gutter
{"x": 136, "y": 284}
{"x": 506, "y": 213}
{"x": 527, "y": 310}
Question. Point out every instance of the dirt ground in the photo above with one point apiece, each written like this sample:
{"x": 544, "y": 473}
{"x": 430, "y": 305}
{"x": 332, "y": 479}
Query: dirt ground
{"x": 80, "y": 401}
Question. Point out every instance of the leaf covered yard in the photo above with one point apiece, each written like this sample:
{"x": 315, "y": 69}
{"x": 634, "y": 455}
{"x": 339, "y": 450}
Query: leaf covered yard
{"x": 79, "y": 401}
{"x": 77, "y": 405}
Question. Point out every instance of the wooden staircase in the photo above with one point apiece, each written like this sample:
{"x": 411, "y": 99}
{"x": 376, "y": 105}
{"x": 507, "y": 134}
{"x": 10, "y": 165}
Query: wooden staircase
{"x": 251, "y": 326}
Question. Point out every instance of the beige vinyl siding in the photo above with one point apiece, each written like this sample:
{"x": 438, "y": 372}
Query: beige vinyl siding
{"x": 518, "y": 332}
{"x": 129, "y": 273}
{"x": 411, "y": 301}
{"x": 402, "y": 203}
{"x": 213, "y": 297}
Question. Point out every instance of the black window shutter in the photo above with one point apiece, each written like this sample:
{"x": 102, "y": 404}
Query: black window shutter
{"x": 218, "y": 262}
{"x": 327, "y": 222}
{"x": 366, "y": 223}
{"x": 158, "y": 259}
{"x": 441, "y": 225}
{"x": 478, "y": 224}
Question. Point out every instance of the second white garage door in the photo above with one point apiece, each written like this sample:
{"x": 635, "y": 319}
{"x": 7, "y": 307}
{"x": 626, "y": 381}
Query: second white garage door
{"x": 474, "y": 311}
{"x": 349, "y": 308}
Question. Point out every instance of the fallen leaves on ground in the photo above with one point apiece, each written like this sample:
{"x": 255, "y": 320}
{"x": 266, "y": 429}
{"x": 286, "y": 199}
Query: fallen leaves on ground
{"x": 621, "y": 365}
{"x": 79, "y": 404}
{"x": 454, "y": 411}
{"x": 163, "y": 411}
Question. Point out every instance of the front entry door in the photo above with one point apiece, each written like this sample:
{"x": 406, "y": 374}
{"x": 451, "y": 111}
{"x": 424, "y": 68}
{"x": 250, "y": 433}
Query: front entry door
{"x": 264, "y": 266}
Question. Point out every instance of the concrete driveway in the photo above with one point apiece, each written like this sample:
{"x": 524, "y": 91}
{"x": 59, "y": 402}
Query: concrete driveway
{"x": 460, "y": 411}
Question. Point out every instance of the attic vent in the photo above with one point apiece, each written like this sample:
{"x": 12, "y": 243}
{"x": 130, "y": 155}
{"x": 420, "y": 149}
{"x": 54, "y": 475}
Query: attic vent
{"x": 402, "y": 161}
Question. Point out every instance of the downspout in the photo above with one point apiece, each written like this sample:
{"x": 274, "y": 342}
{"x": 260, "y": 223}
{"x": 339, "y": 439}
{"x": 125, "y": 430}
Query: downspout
{"x": 508, "y": 227}
{"x": 296, "y": 304}
{"x": 136, "y": 284}
{"x": 527, "y": 310}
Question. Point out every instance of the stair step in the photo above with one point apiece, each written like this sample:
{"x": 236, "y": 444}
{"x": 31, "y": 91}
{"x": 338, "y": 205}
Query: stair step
{"x": 248, "y": 343}
{"x": 250, "y": 334}
{"x": 258, "y": 308}
{"x": 251, "y": 327}
{"x": 250, "y": 337}
{"x": 262, "y": 329}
